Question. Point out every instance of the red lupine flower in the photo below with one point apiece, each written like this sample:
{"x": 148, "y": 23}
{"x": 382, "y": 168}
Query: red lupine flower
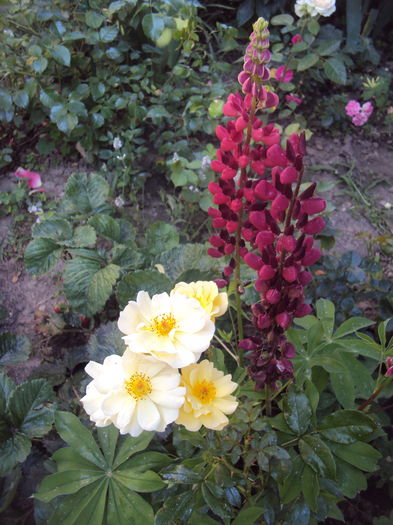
{"x": 283, "y": 74}
{"x": 296, "y": 39}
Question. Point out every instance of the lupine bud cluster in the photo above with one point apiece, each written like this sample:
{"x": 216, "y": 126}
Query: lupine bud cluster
{"x": 262, "y": 216}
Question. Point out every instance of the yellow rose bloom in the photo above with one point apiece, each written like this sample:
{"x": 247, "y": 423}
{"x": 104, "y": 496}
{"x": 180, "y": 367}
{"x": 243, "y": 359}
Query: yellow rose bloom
{"x": 207, "y": 397}
{"x": 215, "y": 303}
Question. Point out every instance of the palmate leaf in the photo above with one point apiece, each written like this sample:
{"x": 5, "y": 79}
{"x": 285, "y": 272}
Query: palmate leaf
{"x": 99, "y": 478}
{"x": 84, "y": 193}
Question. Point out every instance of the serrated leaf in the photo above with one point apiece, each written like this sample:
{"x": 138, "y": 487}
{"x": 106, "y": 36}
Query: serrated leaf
{"x": 7, "y": 386}
{"x": 307, "y": 61}
{"x": 28, "y": 410}
{"x": 347, "y": 426}
{"x": 185, "y": 257}
{"x": 84, "y": 193}
{"x": 79, "y": 438}
{"x": 106, "y": 226}
{"x": 83, "y": 237}
{"x": 62, "y": 55}
{"x": 106, "y": 340}
{"x": 318, "y": 456}
{"x": 101, "y": 286}
{"x": 54, "y": 228}
{"x": 335, "y": 70}
{"x": 150, "y": 281}
{"x": 14, "y": 349}
{"x": 41, "y": 255}
{"x": 13, "y": 451}
{"x": 297, "y": 412}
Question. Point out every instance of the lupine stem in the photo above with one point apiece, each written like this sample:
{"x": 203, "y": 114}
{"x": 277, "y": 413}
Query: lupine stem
{"x": 375, "y": 394}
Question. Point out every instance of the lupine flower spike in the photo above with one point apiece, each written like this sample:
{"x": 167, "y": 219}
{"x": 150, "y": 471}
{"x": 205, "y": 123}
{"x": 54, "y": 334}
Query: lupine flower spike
{"x": 263, "y": 217}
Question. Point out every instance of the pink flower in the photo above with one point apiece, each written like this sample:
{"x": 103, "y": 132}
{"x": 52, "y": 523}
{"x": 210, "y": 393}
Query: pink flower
{"x": 296, "y": 39}
{"x": 33, "y": 179}
{"x": 352, "y": 108}
{"x": 283, "y": 74}
{"x": 389, "y": 366}
{"x": 359, "y": 114}
{"x": 293, "y": 98}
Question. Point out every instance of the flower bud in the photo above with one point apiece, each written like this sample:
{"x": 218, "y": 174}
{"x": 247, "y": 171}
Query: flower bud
{"x": 272, "y": 296}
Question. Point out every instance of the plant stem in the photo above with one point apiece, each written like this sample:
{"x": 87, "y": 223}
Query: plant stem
{"x": 226, "y": 348}
{"x": 376, "y": 392}
{"x": 268, "y": 401}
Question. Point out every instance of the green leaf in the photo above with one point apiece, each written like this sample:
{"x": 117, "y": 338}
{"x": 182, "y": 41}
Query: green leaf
{"x": 7, "y": 386}
{"x": 151, "y": 281}
{"x": 108, "y": 438}
{"x": 13, "y": 451}
{"x": 282, "y": 20}
{"x": 67, "y": 459}
{"x": 45, "y": 146}
{"x": 335, "y": 70}
{"x": 299, "y": 515}
{"x": 292, "y": 487}
{"x": 347, "y": 426}
{"x": 382, "y": 327}
{"x": 328, "y": 47}
{"x": 307, "y": 61}
{"x": 84, "y": 193}
{"x": 353, "y": 22}
{"x": 126, "y": 507}
{"x": 350, "y": 479}
{"x": 360, "y": 455}
{"x": 14, "y": 349}
{"x": 28, "y": 410}
{"x": 318, "y": 456}
{"x": 21, "y": 99}
{"x": 177, "y": 507}
{"x": 106, "y": 340}
{"x": 78, "y": 437}
{"x": 147, "y": 461}
{"x": 54, "y": 228}
{"x": 325, "y": 313}
{"x": 94, "y": 19}
{"x": 352, "y": 325}
{"x": 313, "y": 26}
{"x": 97, "y": 90}
{"x": 108, "y": 34}
{"x": 81, "y": 507}
{"x": 343, "y": 387}
{"x": 128, "y": 445}
{"x": 186, "y": 257}
{"x": 214, "y": 498}
{"x": 84, "y": 236}
{"x": 39, "y": 65}
{"x": 248, "y": 516}
{"x": 106, "y": 226}
{"x": 67, "y": 482}
{"x": 310, "y": 487}
{"x": 153, "y": 25}
{"x": 101, "y": 285}
{"x": 297, "y": 412}
{"x": 41, "y": 255}
{"x": 181, "y": 474}
{"x": 147, "y": 481}
{"x": 62, "y": 55}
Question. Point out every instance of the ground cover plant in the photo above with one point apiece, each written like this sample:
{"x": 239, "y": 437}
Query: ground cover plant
{"x": 220, "y": 373}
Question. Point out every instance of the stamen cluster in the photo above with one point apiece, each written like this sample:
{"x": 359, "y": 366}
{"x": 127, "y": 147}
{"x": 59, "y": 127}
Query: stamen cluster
{"x": 264, "y": 218}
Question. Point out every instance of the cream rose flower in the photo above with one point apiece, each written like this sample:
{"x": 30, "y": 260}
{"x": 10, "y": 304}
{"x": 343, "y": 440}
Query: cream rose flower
{"x": 315, "y": 7}
{"x": 215, "y": 303}
{"x": 208, "y": 397}
{"x": 174, "y": 329}
{"x": 133, "y": 392}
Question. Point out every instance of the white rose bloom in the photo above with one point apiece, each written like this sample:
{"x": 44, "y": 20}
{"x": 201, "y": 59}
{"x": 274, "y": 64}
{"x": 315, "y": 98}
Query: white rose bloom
{"x": 315, "y": 7}
{"x": 174, "y": 329}
{"x": 133, "y": 392}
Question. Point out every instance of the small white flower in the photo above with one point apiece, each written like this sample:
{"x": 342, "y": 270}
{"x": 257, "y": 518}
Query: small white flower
{"x": 387, "y": 205}
{"x": 119, "y": 202}
{"x": 174, "y": 329}
{"x": 206, "y": 161}
{"x": 32, "y": 208}
{"x": 133, "y": 392}
{"x": 38, "y": 220}
{"x": 121, "y": 157}
{"x": 175, "y": 157}
{"x": 315, "y": 7}
{"x": 117, "y": 143}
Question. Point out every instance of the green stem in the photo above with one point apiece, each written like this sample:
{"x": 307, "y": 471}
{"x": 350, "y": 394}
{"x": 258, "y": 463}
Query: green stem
{"x": 226, "y": 348}
{"x": 268, "y": 401}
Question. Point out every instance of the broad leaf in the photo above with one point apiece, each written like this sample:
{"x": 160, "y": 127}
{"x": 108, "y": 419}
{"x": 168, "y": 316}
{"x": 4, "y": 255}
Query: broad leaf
{"x": 307, "y": 61}
{"x": 318, "y": 456}
{"x": 352, "y": 325}
{"x": 28, "y": 408}
{"x": 41, "y": 255}
{"x": 106, "y": 226}
{"x": 297, "y": 412}
{"x": 85, "y": 193}
{"x": 14, "y": 349}
{"x": 62, "y": 55}
{"x": 83, "y": 237}
{"x": 150, "y": 281}
{"x": 335, "y": 70}
{"x": 67, "y": 482}
{"x": 360, "y": 455}
{"x": 347, "y": 426}
{"x": 13, "y": 451}
{"x": 54, "y": 228}
{"x": 185, "y": 257}
{"x": 7, "y": 386}
{"x": 161, "y": 237}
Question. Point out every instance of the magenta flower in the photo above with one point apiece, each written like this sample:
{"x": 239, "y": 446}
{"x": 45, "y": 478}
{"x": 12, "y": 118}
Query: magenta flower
{"x": 360, "y": 114}
{"x": 296, "y": 39}
{"x": 293, "y": 98}
{"x": 33, "y": 179}
{"x": 283, "y": 74}
{"x": 389, "y": 366}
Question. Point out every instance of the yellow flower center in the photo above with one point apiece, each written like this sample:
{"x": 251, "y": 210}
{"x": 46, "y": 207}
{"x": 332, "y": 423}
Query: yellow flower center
{"x": 138, "y": 386}
{"x": 162, "y": 324}
{"x": 205, "y": 391}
